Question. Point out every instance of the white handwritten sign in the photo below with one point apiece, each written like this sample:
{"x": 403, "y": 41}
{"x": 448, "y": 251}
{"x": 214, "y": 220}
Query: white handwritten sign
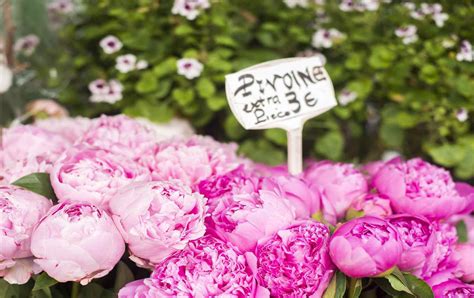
{"x": 281, "y": 94}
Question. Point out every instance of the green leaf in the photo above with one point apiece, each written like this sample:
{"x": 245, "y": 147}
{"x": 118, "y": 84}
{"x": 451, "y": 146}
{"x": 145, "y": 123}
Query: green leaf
{"x": 276, "y": 135}
{"x": 165, "y": 68}
{"x": 148, "y": 83}
{"x": 429, "y": 73}
{"x": 448, "y": 155}
{"x": 216, "y": 103}
{"x": 205, "y": 87}
{"x": 461, "y": 230}
{"x": 262, "y": 151}
{"x": 397, "y": 284}
{"x": 123, "y": 276}
{"x": 95, "y": 290}
{"x": 355, "y": 287}
{"x": 362, "y": 86}
{"x": 38, "y": 183}
{"x": 341, "y": 282}
{"x": 15, "y": 291}
{"x": 418, "y": 287}
{"x": 44, "y": 281}
{"x": 233, "y": 128}
{"x": 391, "y": 135}
{"x": 183, "y": 96}
{"x": 330, "y": 145}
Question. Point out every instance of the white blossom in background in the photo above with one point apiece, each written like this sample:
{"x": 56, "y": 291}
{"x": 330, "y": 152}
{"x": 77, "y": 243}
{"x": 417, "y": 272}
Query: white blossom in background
{"x": 61, "y": 7}
{"x": 465, "y": 52}
{"x": 450, "y": 42}
{"x": 189, "y": 68}
{"x": 324, "y": 38}
{"x": 390, "y": 154}
{"x": 296, "y": 3}
{"x": 126, "y": 63}
{"x": 27, "y": 44}
{"x": 6, "y": 78}
{"x": 189, "y": 9}
{"x": 319, "y": 2}
{"x": 359, "y": 5}
{"x": 110, "y": 44}
{"x": 435, "y": 11}
{"x": 407, "y": 34}
{"x": 346, "y": 97}
{"x": 312, "y": 53}
{"x": 103, "y": 91}
{"x": 462, "y": 115}
{"x": 141, "y": 64}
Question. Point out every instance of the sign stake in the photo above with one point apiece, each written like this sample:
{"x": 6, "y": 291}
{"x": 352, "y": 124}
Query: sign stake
{"x": 295, "y": 150}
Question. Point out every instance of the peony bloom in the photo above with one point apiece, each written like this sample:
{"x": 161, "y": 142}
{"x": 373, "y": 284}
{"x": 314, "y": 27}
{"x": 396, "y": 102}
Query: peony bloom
{"x": 110, "y": 44}
{"x": 464, "y": 255}
{"x": 407, "y": 34}
{"x": 158, "y": 218}
{"x": 189, "y": 8}
{"x": 69, "y": 243}
{"x": 189, "y": 68}
{"x": 20, "y": 211}
{"x": 93, "y": 175}
{"x": 427, "y": 246}
{"x": 136, "y": 289}
{"x": 27, "y": 44}
{"x": 175, "y": 128}
{"x": 453, "y": 289}
{"x": 417, "y": 187}
{"x": 208, "y": 267}
{"x": 119, "y": 134}
{"x": 71, "y": 129}
{"x": 373, "y": 205}
{"x": 190, "y": 160}
{"x": 325, "y": 38}
{"x": 26, "y": 149}
{"x": 365, "y": 247}
{"x": 295, "y": 261}
{"x": 338, "y": 185}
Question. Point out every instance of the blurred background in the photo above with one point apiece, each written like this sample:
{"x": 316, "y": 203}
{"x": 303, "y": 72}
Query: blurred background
{"x": 403, "y": 71}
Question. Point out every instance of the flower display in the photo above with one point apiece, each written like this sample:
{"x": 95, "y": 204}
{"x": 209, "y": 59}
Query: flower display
{"x": 68, "y": 243}
{"x": 417, "y": 187}
{"x": 366, "y": 246}
{"x": 295, "y": 261}
{"x": 158, "y": 218}
{"x": 20, "y": 211}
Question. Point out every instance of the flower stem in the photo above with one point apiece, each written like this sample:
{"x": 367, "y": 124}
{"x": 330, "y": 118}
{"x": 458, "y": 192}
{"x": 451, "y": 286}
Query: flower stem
{"x": 75, "y": 290}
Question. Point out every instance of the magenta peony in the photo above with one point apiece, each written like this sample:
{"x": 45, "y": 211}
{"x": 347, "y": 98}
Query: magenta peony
{"x": 77, "y": 242}
{"x": 295, "y": 261}
{"x": 464, "y": 255}
{"x": 20, "y": 211}
{"x": 417, "y": 187}
{"x": 71, "y": 129}
{"x": 93, "y": 175}
{"x": 208, "y": 267}
{"x": 365, "y": 247}
{"x": 338, "y": 185}
{"x": 373, "y": 205}
{"x": 453, "y": 289}
{"x": 191, "y": 160}
{"x": 158, "y": 218}
{"x": 26, "y": 149}
{"x": 427, "y": 246}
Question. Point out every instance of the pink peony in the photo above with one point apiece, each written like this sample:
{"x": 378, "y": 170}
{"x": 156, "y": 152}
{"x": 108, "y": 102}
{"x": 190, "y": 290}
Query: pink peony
{"x": 158, "y": 218}
{"x": 191, "y": 160}
{"x": 20, "y": 211}
{"x": 417, "y": 187}
{"x": 71, "y": 129}
{"x": 208, "y": 267}
{"x": 93, "y": 175}
{"x": 365, "y": 247}
{"x": 453, "y": 289}
{"x": 136, "y": 289}
{"x": 373, "y": 205}
{"x": 119, "y": 134}
{"x": 69, "y": 243}
{"x": 464, "y": 254}
{"x": 26, "y": 149}
{"x": 427, "y": 246}
{"x": 338, "y": 185}
{"x": 295, "y": 261}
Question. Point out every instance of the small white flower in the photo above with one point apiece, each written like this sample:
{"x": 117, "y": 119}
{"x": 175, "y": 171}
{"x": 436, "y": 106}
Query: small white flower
{"x": 126, "y": 63}
{"x": 295, "y": 3}
{"x": 407, "y": 33}
{"x": 389, "y": 155}
{"x": 103, "y": 91}
{"x": 440, "y": 18}
{"x": 6, "y": 78}
{"x": 346, "y": 97}
{"x": 110, "y": 44}
{"x": 189, "y": 8}
{"x": 61, "y": 7}
{"x": 99, "y": 87}
{"x": 359, "y": 5}
{"x": 462, "y": 115}
{"x": 465, "y": 52}
{"x": 370, "y": 5}
{"x": 410, "y": 5}
{"x": 27, "y": 44}
{"x": 189, "y": 68}
{"x": 312, "y": 53}
{"x": 324, "y": 38}
{"x": 347, "y": 5}
{"x": 142, "y": 64}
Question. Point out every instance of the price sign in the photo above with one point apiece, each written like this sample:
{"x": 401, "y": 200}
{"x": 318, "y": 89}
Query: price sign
{"x": 281, "y": 94}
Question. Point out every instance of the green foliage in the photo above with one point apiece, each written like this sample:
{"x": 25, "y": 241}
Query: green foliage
{"x": 38, "y": 183}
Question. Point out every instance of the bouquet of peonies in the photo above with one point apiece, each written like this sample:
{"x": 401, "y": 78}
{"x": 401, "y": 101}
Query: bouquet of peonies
{"x": 80, "y": 197}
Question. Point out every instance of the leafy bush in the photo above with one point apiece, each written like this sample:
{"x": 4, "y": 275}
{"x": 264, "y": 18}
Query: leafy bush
{"x": 411, "y": 92}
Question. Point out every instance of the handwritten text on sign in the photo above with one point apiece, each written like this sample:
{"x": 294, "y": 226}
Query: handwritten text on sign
{"x": 267, "y": 95}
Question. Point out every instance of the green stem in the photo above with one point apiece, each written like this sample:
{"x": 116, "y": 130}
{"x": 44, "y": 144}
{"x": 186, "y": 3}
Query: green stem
{"x": 75, "y": 290}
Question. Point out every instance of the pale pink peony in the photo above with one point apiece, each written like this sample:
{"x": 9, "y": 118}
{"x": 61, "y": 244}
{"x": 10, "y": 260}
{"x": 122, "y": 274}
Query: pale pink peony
{"x": 374, "y": 205}
{"x": 158, "y": 218}
{"x": 136, "y": 289}
{"x": 190, "y": 160}
{"x": 77, "y": 242}
{"x": 208, "y": 267}
{"x": 71, "y": 129}
{"x": 295, "y": 261}
{"x": 20, "y": 211}
{"x": 464, "y": 255}
{"x": 417, "y": 187}
{"x": 26, "y": 149}
{"x": 365, "y": 247}
{"x": 338, "y": 186}
{"x": 88, "y": 174}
